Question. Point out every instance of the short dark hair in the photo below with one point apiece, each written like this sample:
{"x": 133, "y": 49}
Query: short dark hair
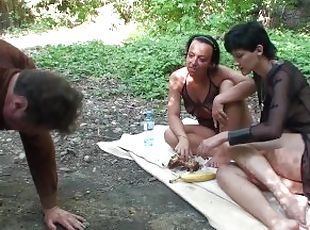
{"x": 207, "y": 39}
{"x": 52, "y": 102}
{"x": 247, "y": 36}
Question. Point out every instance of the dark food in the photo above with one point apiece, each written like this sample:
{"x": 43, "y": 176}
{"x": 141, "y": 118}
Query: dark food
{"x": 190, "y": 165}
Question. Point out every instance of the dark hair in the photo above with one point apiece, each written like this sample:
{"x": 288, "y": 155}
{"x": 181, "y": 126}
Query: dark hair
{"x": 247, "y": 36}
{"x": 207, "y": 39}
{"x": 52, "y": 102}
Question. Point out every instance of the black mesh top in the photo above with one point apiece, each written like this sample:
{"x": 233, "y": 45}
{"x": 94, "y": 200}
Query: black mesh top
{"x": 286, "y": 105}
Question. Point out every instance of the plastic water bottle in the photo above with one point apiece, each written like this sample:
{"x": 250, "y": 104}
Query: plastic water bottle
{"x": 148, "y": 126}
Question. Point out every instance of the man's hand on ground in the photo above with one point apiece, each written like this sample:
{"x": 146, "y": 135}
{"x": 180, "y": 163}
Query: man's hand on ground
{"x": 66, "y": 219}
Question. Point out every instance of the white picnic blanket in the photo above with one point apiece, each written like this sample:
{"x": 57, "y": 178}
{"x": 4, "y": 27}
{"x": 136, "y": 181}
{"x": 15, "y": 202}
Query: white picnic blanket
{"x": 207, "y": 197}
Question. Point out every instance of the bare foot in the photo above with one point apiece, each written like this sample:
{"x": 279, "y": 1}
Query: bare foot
{"x": 295, "y": 206}
{"x": 218, "y": 159}
{"x": 285, "y": 224}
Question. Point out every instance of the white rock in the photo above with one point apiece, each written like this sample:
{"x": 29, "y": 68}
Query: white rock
{"x": 87, "y": 158}
{"x": 22, "y": 156}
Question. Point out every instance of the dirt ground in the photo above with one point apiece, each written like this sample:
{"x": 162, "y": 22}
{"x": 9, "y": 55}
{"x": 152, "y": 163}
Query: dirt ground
{"x": 111, "y": 193}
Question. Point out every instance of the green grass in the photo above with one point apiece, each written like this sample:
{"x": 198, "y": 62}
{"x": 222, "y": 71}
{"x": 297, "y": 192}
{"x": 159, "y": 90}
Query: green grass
{"x": 143, "y": 65}
{"x": 293, "y": 47}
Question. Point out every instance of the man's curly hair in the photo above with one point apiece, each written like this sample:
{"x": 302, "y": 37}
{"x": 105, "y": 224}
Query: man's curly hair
{"x": 52, "y": 102}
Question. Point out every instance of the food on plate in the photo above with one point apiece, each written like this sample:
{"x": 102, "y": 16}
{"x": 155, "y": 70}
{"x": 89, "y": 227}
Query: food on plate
{"x": 190, "y": 165}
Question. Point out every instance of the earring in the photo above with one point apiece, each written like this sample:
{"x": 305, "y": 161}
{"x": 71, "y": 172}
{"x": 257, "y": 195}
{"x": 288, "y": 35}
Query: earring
{"x": 260, "y": 48}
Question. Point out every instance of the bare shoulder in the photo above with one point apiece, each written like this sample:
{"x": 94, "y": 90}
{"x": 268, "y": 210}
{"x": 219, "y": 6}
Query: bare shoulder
{"x": 179, "y": 74}
{"x": 177, "y": 78}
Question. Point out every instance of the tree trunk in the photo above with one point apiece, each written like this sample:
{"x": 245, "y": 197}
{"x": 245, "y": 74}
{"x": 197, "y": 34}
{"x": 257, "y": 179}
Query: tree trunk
{"x": 5, "y": 19}
{"x": 12, "y": 13}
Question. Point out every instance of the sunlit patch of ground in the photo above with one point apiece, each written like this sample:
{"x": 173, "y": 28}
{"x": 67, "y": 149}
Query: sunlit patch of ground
{"x": 106, "y": 27}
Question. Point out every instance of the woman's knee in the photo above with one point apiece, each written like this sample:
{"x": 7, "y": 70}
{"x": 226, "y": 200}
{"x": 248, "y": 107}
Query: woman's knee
{"x": 167, "y": 134}
{"x": 225, "y": 85}
{"x": 238, "y": 112}
{"x": 225, "y": 172}
{"x": 222, "y": 172}
{"x": 242, "y": 154}
{"x": 170, "y": 138}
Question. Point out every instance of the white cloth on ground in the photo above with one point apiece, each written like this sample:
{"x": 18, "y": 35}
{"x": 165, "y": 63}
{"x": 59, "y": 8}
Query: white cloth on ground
{"x": 207, "y": 197}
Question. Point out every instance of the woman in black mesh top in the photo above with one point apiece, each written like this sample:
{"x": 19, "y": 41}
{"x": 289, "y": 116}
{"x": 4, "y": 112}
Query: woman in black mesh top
{"x": 273, "y": 154}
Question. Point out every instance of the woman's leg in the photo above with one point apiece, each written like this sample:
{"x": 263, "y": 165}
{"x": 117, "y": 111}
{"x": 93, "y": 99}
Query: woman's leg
{"x": 284, "y": 154}
{"x": 237, "y": 185}
{"x": 238, "y": 112}
{"x": 285, "y": 162}
{"x": 195, "y": 134}
{"x": 238, "y": 117}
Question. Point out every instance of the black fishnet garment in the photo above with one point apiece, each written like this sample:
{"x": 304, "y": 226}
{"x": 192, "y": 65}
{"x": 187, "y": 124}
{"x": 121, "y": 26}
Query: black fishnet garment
{"x": 286, "y": 108}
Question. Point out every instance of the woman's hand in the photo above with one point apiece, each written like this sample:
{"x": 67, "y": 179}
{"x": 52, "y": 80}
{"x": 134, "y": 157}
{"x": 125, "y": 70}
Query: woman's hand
{"x": 208, "y": 144}
{"x": 218, "y": 114}
{"x": 183, "y": 148}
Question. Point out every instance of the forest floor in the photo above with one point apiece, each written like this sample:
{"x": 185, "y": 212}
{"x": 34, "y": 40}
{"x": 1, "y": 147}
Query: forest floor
{"x": 111, "y": 193}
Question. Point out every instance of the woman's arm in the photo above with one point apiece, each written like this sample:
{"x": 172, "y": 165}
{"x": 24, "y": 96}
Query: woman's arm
{"x": 174, "y": 104}
{"x": 176, "y": 83}
{"x": 280, "y": 90}
{"x": 270, "y": 129}
{"x": 243, "y": 86}
{"x": 273, "y": 125}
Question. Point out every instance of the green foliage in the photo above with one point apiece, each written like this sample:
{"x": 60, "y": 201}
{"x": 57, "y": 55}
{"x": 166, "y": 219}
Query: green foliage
{"x": 51, "y": 13}
{"x": 187, "y": 16}
{"x": 76, "y": 61}
{"x": 174, "y": 16}
{"x": 157, "y": 16}
{"x": 183, "y": 16}
{"x": 149, "y": 64}
{"x": 241, "y": 11}
{"x": 67, "y": 13}
{"x": 124, "y": 8}
{"x": 143, "y": 66}
{"x": 295, "y": 50}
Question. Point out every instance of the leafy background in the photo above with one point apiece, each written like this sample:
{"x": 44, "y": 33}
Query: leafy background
{"x": 143, "y": 64}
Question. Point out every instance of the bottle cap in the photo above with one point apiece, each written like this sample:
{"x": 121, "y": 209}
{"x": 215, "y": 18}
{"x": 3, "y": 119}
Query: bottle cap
{"x": 148, "y": 113}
